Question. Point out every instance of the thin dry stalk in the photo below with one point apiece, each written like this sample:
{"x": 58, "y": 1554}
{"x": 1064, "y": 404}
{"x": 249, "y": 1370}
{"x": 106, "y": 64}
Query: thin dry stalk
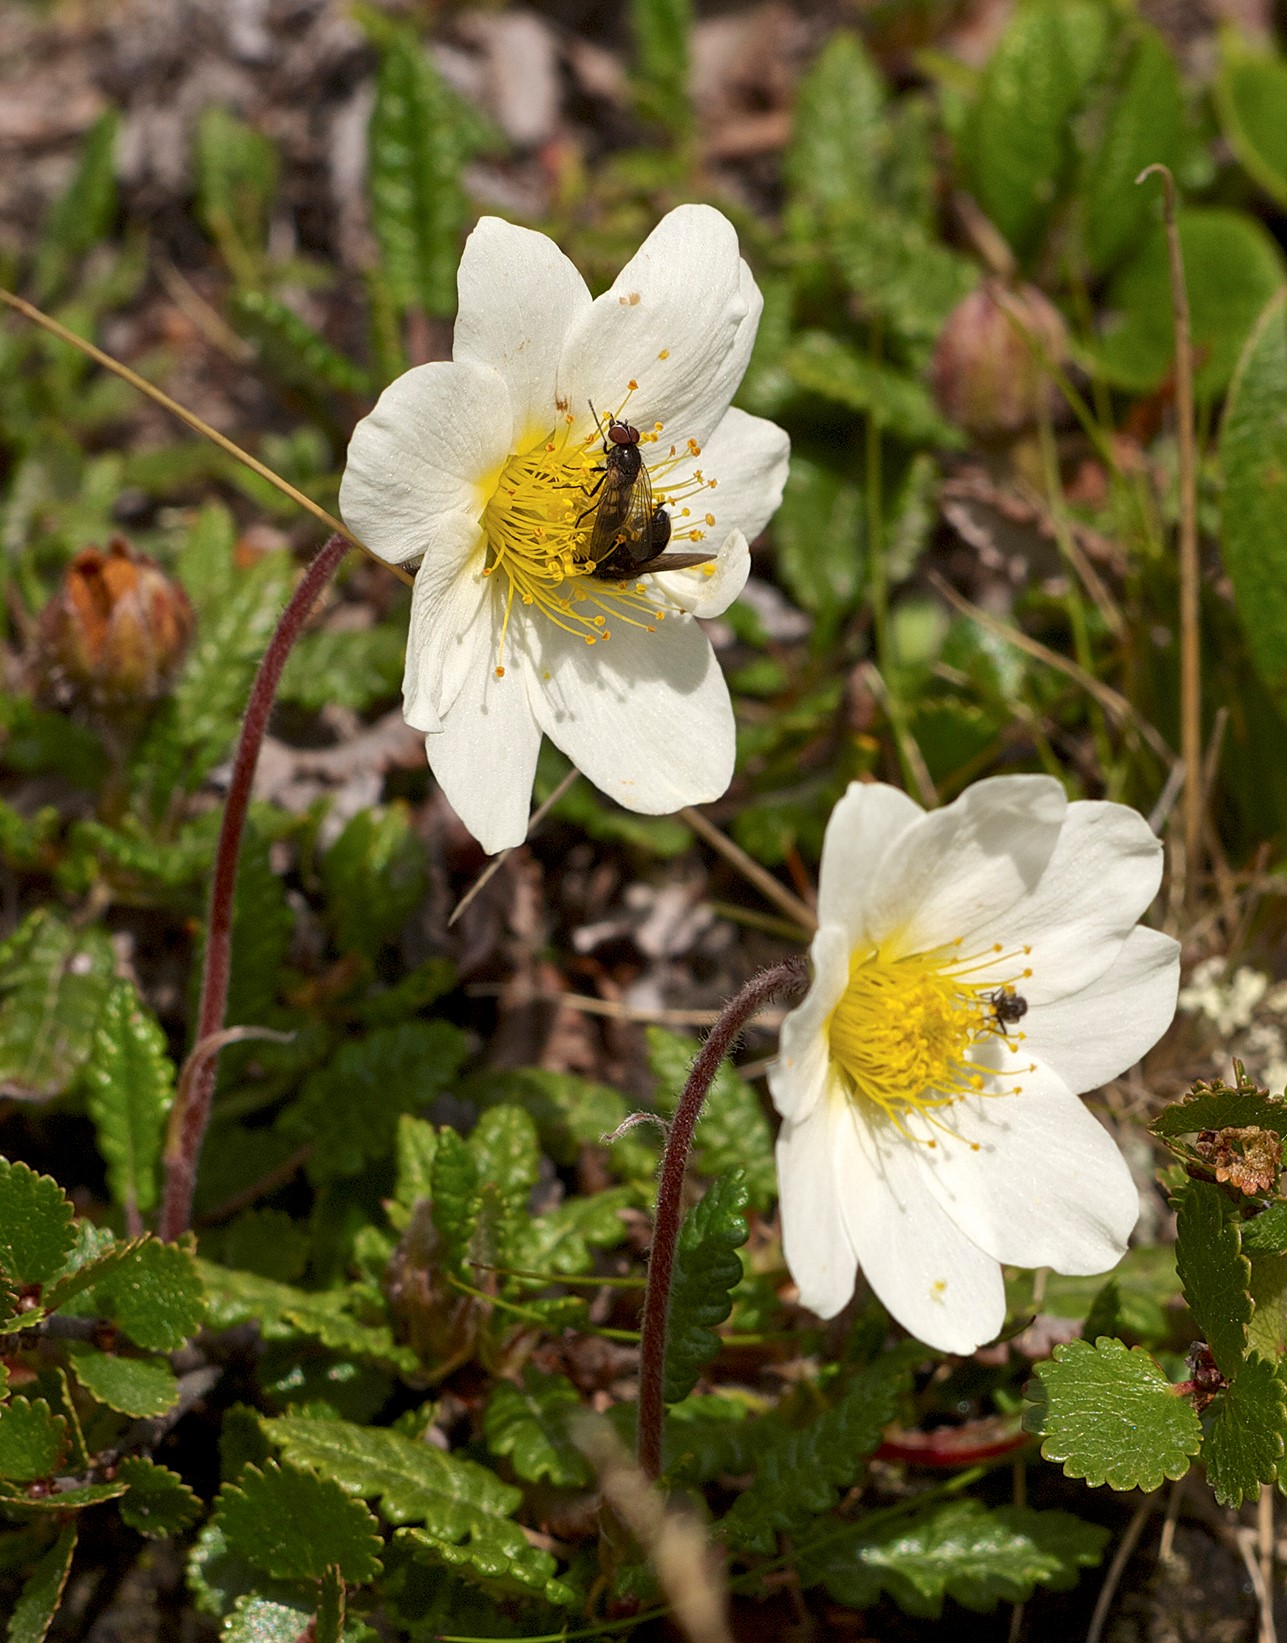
{"x": 1116, "y": 1569}
{"x": 797, "y": 911}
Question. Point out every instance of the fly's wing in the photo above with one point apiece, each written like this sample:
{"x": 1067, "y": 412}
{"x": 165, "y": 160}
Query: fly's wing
{"x": 623, "y": 519}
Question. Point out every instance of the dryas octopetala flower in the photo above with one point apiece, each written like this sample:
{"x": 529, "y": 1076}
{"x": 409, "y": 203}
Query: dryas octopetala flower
{"x": 975, "y": 968}
{"x": 493, "y": 470}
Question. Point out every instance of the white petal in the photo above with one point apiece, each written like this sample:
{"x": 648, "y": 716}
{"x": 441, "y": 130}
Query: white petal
{"x": 485, "y": 754}
{"x": 519, "y": 295}
{"x": 800, "y": 1074}
{"x": 818, "y": 1252}
{"x": 1046, "y": 1185}
{"x": 646, "y": 716}
{"x": 432, "y": 447}
{"x": 679, "y": 320}
{"x": 869, "y": 820}
{"x": 1097, "y": 1033}
{"x": 955, "y": 871}
{"x": 749, "y": 457}
{"x": 1102, "y": 874}
{"x": 708, "y": 590}
{"x": 926, "y": 1272}
{"x": 448, "y": 632}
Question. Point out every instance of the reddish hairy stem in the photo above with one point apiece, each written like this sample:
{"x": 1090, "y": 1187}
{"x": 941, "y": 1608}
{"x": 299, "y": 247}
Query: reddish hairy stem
{"x": 196, "y": 1087}
{"x": 791, "y": 974}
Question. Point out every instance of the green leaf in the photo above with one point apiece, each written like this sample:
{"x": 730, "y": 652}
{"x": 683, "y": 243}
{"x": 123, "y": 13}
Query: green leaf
{"x": 733, "y": 1131}
{"x": 82, "y": 216}
{"x": 1267, "y": 1234}
{"x": 268, "y": 1242}
{"x": 1253, "y": 459}
{"x": 54, "y": 982}
{"x": 294, "y": 1525}
{"x": 821, "y": 364}
{"x": 236, "y": 174}
{"x": 35, "y": 1610}
{"x": 1243, "y": 1446}
{"x": 1215, "y": 1274}
{"x": 298, "y": 352}
{"x": 839, "y": 128}
{"x": 349, "y": 1108}
{"x": 130, "y": 1083}
{"x": 330, "y": 1609}
{"x": 35, "y": 1225}
{"x": 1017, "y": 146}
{"x": 1220, "y": 1107}
{"x": 98, "y": 1255}
{"x": 529, "y": 1424}
{"x": 417, "y": 148}
{"x": 456, "y": 1199}
{"x": 820, "y": 540}
{"x": 707, "y": 1268}
{"x": 159, "y": 1503}
{"x": 1251, "y": 94}
{"x": 570, "y": 1113}
{"x": 958, "y": 1549}
{"x": 1111, "y": 1416}
{"x": 662, "y": 30}
{"x": 342, "y": 668}
{"x": 265, "y": 1620}
{"x": 155, "y": 1296}
{"x": 560, "y": 1241}
{"x": 375, "y": 876}
{"x": 800, "y": 1471}
{"x": 33, "y": 1440}
{"x": 58, "y": 1501}
{"x": 499, "y": 1568}
{"x": 507, "y": 1152}
{"x": 417, "y": 1142}
{"x": 283, "y": 1312}
{"x": 131, "y": 1386}
{"x": 1143, "y": 125}
{"x": 899, "y": 273}
{"x": 1232, "y": 267}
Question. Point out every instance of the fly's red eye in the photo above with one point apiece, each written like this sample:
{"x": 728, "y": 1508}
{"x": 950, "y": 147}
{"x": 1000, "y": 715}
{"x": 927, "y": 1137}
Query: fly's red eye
{"x": 621, "y": 433}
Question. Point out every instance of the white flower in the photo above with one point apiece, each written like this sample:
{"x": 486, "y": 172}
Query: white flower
{"x": 932, "y": 1127}
{"x": 484, "y": 468}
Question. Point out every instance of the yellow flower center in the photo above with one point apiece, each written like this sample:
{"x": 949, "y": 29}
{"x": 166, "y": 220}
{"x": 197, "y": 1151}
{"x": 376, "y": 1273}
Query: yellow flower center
{"x": 540, "y": 518}
{"x": 906, "y": 1030}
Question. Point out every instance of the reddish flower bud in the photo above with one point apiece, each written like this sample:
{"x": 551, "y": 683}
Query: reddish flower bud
{"x": 114, "y": 634}
{"x": 988, "y": 373}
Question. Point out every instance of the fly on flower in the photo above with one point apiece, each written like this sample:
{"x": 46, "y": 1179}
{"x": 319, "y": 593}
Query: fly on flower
{"x": 1008, "y": 1008}
{"x": 631, "y": 531}
{"x": 531, "y": 614}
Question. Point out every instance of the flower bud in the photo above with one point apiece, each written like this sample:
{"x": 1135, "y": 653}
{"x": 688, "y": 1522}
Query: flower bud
{"x": 114, "y": 634}
{"x": 988, "y": 372}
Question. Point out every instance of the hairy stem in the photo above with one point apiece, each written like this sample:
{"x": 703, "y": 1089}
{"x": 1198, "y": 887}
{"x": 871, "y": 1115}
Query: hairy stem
{"x": 790, "y": 975}
{"x": 196, "y": 1086}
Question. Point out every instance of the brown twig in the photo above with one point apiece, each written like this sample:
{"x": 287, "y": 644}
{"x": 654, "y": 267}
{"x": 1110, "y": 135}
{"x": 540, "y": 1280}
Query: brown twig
{"x": 790, "y": 975}
{"x": 191, "y": 1112}
{"x": 797, "y": 911}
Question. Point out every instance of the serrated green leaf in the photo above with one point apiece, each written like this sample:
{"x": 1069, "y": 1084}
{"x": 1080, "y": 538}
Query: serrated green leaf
{"x": 898, "y": 273}
{"x": 570, "y": 1113}
{"x": 294, "y": 1525}
{"x": 800, "y": 1471}
{"x": 506, "y": 1152}
{"x": 958, "y": 1549}
{"x": 155, "y": 1295}
{"x": 456, "y": 1199}
{"x": 33, "y": 1440}
{"x": 330, "y": 1609}
{"x": 158, "y": 1503}
{"x": 560, "y": 1241}
{"x": 283, "y": 1312}
{"x": 130, "y": 1083}
{"x": 219, "y": 1578}
{"x": 82, "y": 216}
{"x": 349, "y": 1108}
{"x": 838, "y": 129}
{"x": 98, "y": 1255}
{"x": 35, "y": 1225}
{"x": 1142, "y": 126}
{"x": 1267, "y": 1233}
{"x": 298, "y": 352}
{"x": 58, "y": 1501}
{"x": 1223, "y": 1109}
{"x": 236, "y": 175}
{"x": 707, "y": 1268}
{"x": 265, "y": 1620}
{"x": 54, "y": 982}
{"x": 1251, "y": 94}
{"x": 1216, "y": 1276}
{"x": 1243, "y": 1444}
{"x": 1253, "y": 459}
{"x": 131, "y": 1386}
{"x": 340, "y": 667}
{"x": 820, "y": 540}
{"x": 375, "y": 876}
{"x": 500, "y": 1569}
{"x": 820, "y": 363}
{"x": 1111, "y": 1416}
{"x": 662, "y": 30}
{"x": 417, "y": 146}
{"x": 733, "y": 1131}
{"x": 529, "y": 1424}
{"x": 1017, "y": 145}
{"x": 1232, "y": 268}
{"x": 36, "y": 1607}
{"x": 417, "y": 1141}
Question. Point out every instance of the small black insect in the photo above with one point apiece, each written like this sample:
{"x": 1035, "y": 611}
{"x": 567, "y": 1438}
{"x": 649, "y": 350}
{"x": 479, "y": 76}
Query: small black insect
{"x": 630, "y": 532}
{"x": 1008, "y": 1008}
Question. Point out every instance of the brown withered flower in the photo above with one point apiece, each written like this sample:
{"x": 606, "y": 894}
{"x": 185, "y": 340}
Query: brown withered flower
{"x": 989, "y": 373}
{"x": 112, "y": 638}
